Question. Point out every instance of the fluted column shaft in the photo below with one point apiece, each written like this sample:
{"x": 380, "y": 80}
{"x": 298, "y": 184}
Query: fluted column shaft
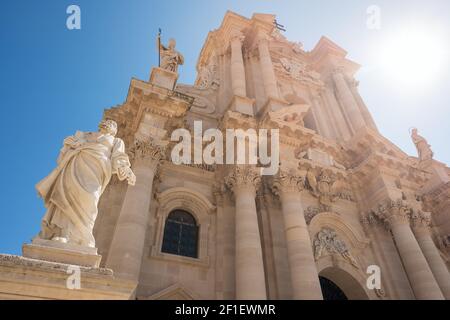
{"x": 268, "y": 74}
{"x": 250, "y": 277}
{"x": 349, "y": 104}
{"x": 320, "y": 116}
{"x": 304, "y": 275}
{"x": 127, "y": 247}
{"x": 237, "y": 66}
{"x": 433, "y": 257}
{"x": 419, "y": 273}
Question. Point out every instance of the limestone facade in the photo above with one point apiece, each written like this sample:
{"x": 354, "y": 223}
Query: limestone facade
{"x": 345, "y": 197}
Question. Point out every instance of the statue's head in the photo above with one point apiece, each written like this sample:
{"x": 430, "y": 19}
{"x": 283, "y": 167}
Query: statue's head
{"x": 108, "y": 126}
{"x": 172, "y": 43}
{"x": 414, "y": 131}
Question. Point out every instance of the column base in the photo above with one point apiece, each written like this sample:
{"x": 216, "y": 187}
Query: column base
{"x": 55, "y": 251}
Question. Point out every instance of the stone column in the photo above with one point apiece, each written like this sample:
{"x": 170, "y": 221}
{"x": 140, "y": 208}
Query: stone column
{"x": 419, "y": 273}
{"x": 335, "y": 111}
{"x": 127, "y": 247}
{"x": 349, "y": 104}
{"x": 421, "y": 222}
{"x": 237, "y": 66}
{"x": 362, "y": 106}
{"x": 320, "y": 114}
{"x": 250, "y": 277}
{"x": 304, "y": 275}
{"x": 268, "y": 74}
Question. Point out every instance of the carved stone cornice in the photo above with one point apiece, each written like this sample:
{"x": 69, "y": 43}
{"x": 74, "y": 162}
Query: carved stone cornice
{"x": 287, "y": 182}
{"x": 147, "y": 153}
{"x": 243, "y": 177}
{"x": 312, "y": 211}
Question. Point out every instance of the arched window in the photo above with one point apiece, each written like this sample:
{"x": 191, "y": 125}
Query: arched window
{"x": 180, "y": 234}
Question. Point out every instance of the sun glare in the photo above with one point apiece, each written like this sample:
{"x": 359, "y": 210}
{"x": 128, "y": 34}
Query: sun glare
{"x": 414, "y": 57}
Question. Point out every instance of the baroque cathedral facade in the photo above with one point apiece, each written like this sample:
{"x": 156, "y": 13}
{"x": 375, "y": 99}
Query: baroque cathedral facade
{"x": 345, "y": 207}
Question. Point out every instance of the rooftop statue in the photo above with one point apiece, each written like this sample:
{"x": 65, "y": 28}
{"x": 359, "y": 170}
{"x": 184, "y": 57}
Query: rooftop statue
{"x": 422, "y": 146}
{"x": 170, "y": 58}
{"x": 71, "y": 191}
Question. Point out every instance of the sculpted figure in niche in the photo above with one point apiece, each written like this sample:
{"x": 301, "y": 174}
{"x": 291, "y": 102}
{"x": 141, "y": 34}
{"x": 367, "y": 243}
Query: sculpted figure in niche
{"x": 71, "y": 191}
{"x": 170, "y": 58}
{"x": 422, "y": 146}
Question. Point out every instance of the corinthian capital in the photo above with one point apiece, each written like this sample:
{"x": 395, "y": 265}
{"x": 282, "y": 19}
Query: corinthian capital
{"x": 243, "y": 177}
{"x": 394, "y": 212}
{"x": 420, "y": 219}
{"x": 287, "y": 181}
{"x": 237, "y": 36}
{"x": 147, "y": 151}
{"x": 262, "y": 39}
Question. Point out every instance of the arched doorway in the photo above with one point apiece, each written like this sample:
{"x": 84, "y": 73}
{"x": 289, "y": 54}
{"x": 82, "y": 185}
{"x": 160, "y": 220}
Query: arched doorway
{"x": 338, "y": 284}
{"x": 331, "y": 291}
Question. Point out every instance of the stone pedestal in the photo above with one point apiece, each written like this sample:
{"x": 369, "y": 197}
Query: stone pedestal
{"x": 273, "y": 104}
{"x": 242, "y": 104}
{"x": 163, "y": 78}
{"x": 55, "y": 251}
{"x": 30, "y": 279}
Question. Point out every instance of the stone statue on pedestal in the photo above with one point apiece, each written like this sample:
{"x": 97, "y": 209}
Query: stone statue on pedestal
{"x": 170, "y": 58}
{"x": 71, "y": 191}
{"x": 422, "y": 146}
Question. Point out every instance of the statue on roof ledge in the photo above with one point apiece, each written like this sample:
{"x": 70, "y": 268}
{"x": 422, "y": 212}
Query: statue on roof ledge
{"x": 170, "y": 58}
{"x": 423, "y": 148}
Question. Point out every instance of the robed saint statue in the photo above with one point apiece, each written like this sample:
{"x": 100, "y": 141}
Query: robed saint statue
{"x": 71, "y": 191}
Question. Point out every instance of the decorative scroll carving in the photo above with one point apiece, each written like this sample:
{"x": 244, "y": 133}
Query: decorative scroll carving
{"x": 208, "y": 75}
{"x": 324, "y": 186}
{"x": 326, "y": 240}
{"x": 298, "y": 71}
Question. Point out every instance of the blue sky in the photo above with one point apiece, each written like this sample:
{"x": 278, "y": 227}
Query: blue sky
{"x": 54, "y": 81}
